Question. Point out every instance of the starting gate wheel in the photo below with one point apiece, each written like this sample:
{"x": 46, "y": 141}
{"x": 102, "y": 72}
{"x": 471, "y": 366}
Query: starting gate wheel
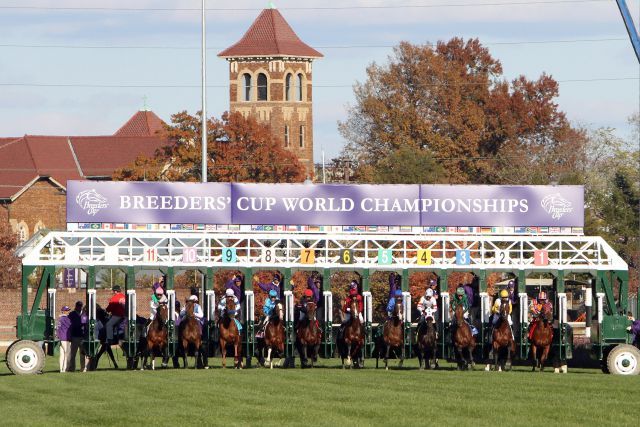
{"x": 25, "y": 358}
{"x": 624, "y": 359}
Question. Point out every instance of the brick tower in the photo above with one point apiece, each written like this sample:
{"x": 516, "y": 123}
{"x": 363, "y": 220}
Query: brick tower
{"x": 270, "y": 80}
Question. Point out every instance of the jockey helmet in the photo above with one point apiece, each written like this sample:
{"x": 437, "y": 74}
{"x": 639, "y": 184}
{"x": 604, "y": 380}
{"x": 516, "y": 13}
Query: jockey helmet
{"x": 542, "y": 296}
{"x": 308, "y": 293}
{"x": 504, "y": 293}
{"x": 433, "y": 282}
{"x": 272, "y": 294}
{"x": 460, "y": 291}
{"x": 193, "y": 298}
{"x": 353, "y": 284}
{"x": 159, "y": 291}
{"x": 229, "y": 292}
{"x": 276, "y": 278}
{"x": 429, "y": 292}
{"x": 398, "y": 293}
{"x": 116, "y": 288}
{"x": 237, "y": 279}
{"x": 353, "y": 291}
{"x": 511, "y": 284}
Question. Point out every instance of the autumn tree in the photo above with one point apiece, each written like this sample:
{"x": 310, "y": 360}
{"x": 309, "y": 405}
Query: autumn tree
{"x": 240, "y": 150}
{"x": 450, "y": 103}
{"x": 10, "y": 271}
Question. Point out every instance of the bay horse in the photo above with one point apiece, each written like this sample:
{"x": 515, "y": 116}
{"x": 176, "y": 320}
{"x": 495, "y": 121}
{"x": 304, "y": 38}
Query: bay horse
{"x": 230, "y": 335}
{"x": 463, "y": 341}
{"x": 157, "y": 338}
{"x": 541, "y": 338}
{"x": 427, "y": 343}
{"x": 309, "y": 336}
{"x": 274, "y": 336}
{"x": 352, "y": 338}
{"x": 190, "y": 333}
{"x": 393, "y": 335}
{"x": 502, "y": 339}
{"x": 102, "y": 317}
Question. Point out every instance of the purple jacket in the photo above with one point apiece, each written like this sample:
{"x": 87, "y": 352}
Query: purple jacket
{"x": 635, "y": 328}
{"x": 269, "y": 286}
{"x": 469, "y": 291}
{"x": 393, "y": 285}
{"x": 76, "y": 328}
{"x": 231, "y": 284}
{"x": 64, "y": 328}
{"x": 316, "y": 292}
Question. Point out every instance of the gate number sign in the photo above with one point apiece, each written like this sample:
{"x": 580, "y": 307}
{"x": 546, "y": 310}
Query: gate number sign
{"x": 540, "y": 258}
{"x": 462, "y": 257}
{"x": 307, "y": 256}
{"x": 229, "y": 255}
{"x": 346, "y": 256}
{"x": 189, "y": 255}
{"x": 384, "y": 256}
{"x": 424, "y": 257}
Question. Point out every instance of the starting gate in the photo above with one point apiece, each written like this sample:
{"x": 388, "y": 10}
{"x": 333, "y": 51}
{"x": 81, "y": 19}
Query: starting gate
{"x": 516, "y": 254}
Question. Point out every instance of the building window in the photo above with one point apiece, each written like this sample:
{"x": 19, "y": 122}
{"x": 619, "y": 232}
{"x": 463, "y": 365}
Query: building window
{"x": 302, "y": 136}
{"x": 262, "y": 87}
{"x": 23, "y": 233}
{"x": 299, "y": 88}
{"x": 246, "y": 87}
{"x": 286, "y": 135}
{"x": 287, "y": 87}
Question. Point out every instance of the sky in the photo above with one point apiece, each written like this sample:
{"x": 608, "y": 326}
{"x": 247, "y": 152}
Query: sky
{"x": 67, "y": 70}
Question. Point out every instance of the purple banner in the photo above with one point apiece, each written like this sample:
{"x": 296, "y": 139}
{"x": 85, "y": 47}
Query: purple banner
{"x": 324, "y": 204}
{"x": 502, "y": 205}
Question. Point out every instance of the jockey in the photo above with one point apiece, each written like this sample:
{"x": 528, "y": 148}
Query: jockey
{"x": 497, "y": 305}
{"x": 428, "y": 306}
{"x": 268, "y": 307}
{"x": 391, "y": 305}
{"x": 353, "y": 295}
{"x": 157, "y": 298}
{"x": 197, "y": 310}
{"x": 301, "y": 307}
{"x": 536, "y": 308}
{"x": 222, "y": 305}
{"x": 539, "y": 305}
{"x": 511, "y": 287}
{"x": 268, "y": 287}
{"x": 460, "y": 299}
{"x": 394, "y": 284}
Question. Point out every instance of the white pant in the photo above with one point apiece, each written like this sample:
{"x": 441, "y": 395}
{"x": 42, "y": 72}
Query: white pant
{"x": 76, "y": 344}
{"x": 115, "y": 320}
{"x": 65, "y": 348}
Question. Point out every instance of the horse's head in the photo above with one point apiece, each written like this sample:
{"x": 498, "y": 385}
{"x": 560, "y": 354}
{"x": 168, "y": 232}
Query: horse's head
{"x": 504, "y": 309}
{"x": 163, "y": 312}
{"x": 459, "y": 313}
{"x": 189, "y": 307}
{"x": 231, "y": 304}
{"x": 397, "y": 309}
{"x": 311, "y": 310}
{"x": 354, "y": 308}
{"x": 278, "y": 312}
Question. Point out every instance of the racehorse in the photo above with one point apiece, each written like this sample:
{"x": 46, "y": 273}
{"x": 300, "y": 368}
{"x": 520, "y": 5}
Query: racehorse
{"x": 427, "y": 342}
{"x": 393, "y": 335}
{"x": 309, "y": 336}
{"x": 157, "y": 338}
{"x": 352, "y": 339}
{"x": 274, "y": 336}
{"x": 230, "y": 335}
{"x": 190, "y": 333}
{"x": 503, "y": 339}
{"x": 541, "y": 339}
{"x": 463, "y": 340}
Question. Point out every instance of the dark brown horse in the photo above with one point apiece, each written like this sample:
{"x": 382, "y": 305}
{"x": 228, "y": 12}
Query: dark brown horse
{"x": 190, "y": 334}
{"x": 274, "y": 336}
{"x": 463, "y": 341}
{"x": 352, "y": 338}
{"x": 541, "y": 339}
{"x": 157, "y": 338}
{"x": 309, "y": 336}
{"x": 427, "y": 343}
{"x": 393, "y": 335}
{"x": 230, "y": 335}
{"x": 502, "y": 340}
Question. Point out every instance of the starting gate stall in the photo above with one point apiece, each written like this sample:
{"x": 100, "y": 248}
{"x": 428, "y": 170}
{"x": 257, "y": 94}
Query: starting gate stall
{"x": 327, "y": 324}
{"x": 249, "y": 325}
{"x": 406, "y": 315}
{"x": 290, "y": 333}
{"x": 91, "y": 344}
{"x": 368, "y": 323}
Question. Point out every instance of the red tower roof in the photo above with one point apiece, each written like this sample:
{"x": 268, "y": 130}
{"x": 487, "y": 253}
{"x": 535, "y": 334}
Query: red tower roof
{"x": 142, "y": 123}
{"x": 270, "y": 35}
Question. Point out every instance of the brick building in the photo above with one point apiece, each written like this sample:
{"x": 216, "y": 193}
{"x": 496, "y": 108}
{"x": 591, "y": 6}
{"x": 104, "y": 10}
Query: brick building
{"x": 34, "y": 169}
{"x": 270, "y": 79}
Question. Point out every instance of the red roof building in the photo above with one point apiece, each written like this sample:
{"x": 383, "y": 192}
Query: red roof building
{"x": 34, "y": 169}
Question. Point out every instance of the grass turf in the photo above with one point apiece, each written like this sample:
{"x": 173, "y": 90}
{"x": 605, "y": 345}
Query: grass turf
{"x": 326, "y": 395}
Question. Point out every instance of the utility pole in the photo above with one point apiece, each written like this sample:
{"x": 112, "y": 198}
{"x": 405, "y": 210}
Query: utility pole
{"x": 204, "y": 91}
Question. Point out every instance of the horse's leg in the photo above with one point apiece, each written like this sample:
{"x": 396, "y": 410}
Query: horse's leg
{"x": 304, "y": 355}
{"x": 386, "y": 356}
{"x": 534, "y": 357}
{"x": 496, "y": 353}
{"x": 112, "y": 357}
{"x": 508, "y": 365}
{"x": 269, "y": 358}
{"x": 543, "y": 357}
{"x": 223, "y": 350}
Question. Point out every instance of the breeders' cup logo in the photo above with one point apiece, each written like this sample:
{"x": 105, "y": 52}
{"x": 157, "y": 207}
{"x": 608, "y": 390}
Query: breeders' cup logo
{"x": 91, "y": 201}
{"x": 556, "y": 205}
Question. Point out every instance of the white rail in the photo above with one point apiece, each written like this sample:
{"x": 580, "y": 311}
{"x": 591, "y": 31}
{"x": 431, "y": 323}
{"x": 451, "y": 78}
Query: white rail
{"x": 193, "y": 250}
